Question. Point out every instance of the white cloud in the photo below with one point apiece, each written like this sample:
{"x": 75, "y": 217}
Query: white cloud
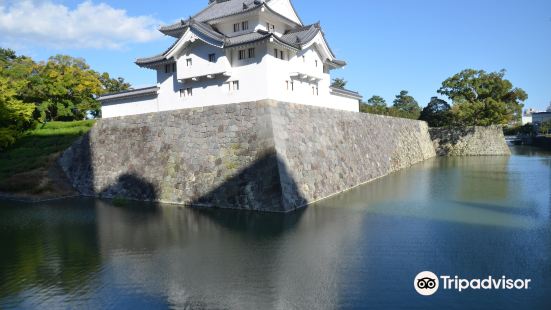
{"x": 89, "y": 25}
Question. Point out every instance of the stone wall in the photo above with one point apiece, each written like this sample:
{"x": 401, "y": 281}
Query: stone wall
{"x": 469, "y": 141}
{"x": 262, "y": 155}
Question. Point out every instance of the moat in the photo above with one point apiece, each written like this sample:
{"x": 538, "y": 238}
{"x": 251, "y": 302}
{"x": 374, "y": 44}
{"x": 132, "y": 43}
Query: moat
{"x": 469, "y": 216}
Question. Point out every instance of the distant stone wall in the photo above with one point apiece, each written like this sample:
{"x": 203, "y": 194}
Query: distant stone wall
{"x": 469, "y": 141}
{"x": 327, "y": 152}
{"x": 262, "y": 155}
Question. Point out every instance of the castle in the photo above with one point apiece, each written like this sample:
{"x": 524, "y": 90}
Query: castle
{"x": 238, "y": 51}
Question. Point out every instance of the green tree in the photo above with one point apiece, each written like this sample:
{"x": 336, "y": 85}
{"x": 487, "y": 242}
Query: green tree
{"x": 339, "y": 83}
{"x": 545, "y": 127}
{"x": 15, "y": 115}
{"x": 437, "y": 113}
{"x": 6, "y": 56}
{"x": 113, "y": 85}
{"x": 481, "y": 98}
{"x": 64, "y": 89}
{"x": 375, "y": 105}
{"x": 405, "y": 106}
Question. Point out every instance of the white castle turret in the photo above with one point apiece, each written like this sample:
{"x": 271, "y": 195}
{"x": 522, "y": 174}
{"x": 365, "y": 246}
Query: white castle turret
{"x": 238, "y": 51}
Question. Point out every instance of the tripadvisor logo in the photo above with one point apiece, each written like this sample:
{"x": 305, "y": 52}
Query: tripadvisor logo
{"x": 427, "y": 283}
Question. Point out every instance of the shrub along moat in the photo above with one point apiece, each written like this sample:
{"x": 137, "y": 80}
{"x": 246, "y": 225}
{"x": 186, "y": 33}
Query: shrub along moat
{"x": 28, "y": 165}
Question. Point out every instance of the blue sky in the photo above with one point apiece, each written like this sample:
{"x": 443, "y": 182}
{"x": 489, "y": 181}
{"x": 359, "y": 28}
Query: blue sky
{"x": 389, "y": 45}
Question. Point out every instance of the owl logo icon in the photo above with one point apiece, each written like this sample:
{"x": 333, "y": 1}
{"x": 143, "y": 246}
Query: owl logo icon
{"x": 426, "y": 283}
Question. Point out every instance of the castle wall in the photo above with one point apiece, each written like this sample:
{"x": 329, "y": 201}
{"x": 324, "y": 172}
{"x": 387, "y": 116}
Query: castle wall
{"x": 469, "y": 141}
{"x": 265, "y": 156}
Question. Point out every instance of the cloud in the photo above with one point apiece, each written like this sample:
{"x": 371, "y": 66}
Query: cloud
{"x": 89, "y": 25}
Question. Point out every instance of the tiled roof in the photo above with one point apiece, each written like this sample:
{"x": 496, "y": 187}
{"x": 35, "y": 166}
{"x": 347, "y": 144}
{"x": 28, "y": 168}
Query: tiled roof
{"x": 148, "y": 61}
{"x": 218, "y": 9}
{"x": 202, "y": 30}
{"x": 130, "y": 93}
{"x": 222, "y": 8}
{"x": 174, "y": 27}
{"x": 293, "y": 39}
{"x": 346, "y": 92}
{"x": 246, "y": 38}
{"x": 301, "y": 35}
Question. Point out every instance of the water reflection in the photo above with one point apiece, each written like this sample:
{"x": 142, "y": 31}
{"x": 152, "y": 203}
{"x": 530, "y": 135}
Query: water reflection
{"x": 473, "y": 217}
{"x": 45, "y": 248}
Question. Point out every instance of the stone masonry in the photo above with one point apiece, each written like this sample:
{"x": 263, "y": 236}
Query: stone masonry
{"x": 264, "y": 156}
{"x": 469, "y": 141}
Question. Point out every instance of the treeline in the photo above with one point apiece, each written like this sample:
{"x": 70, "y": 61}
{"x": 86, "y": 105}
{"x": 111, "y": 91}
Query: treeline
{"x": 60, "y": 89}
{"x": 477, "y": 98}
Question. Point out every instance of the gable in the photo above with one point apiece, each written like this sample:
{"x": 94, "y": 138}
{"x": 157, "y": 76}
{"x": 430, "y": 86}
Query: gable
{"x": 286, "y": 9}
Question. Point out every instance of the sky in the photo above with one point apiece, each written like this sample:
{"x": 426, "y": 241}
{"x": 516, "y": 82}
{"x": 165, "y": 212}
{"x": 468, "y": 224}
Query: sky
{"x": 389, "y": 45}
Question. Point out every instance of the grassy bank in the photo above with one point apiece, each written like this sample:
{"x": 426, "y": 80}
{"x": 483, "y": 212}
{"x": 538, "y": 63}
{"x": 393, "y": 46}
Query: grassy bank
{"x": 27, "y": 165}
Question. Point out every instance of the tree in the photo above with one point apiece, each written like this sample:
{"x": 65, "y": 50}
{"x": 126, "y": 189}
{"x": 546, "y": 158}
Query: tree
{"x": 377, "y": 101}
{"x": 437, "y": 113}
{"x": 339, "y": 83}
{"x": 15, "y": 115}
{"x": 375, "y": 105}
{"x": 549, "y": 107}
{"x": 112, "y": 85}
{"x": 63, "y": 89}
{"x": 406, "y": 106}
{"x": 481, "y": 98}
{"x": 545, "y": 127}
{"x": 7, "y": 55}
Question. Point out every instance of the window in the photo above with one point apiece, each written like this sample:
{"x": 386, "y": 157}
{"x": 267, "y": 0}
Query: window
{"x": 233, "y": 86}
{"x": 236, "y": 27}
{"x": 313, "y": 90}
{"x": 187, "y": 92}
{"x": 189, "y": 62}
{"x": 169, "y": 68}
{"x": 245, "y": 25}
{"x": 212, "y": 57}
{"x": 292, "y": 86}
{"x": 317, "y": 91}
{"x": 270, "y": 27}
{"x": 278, "y": 53}
{"x": 251, "y": 52}
{"x": 303, "y": 58}
{"x": 287, "y": 85}
{"x": 242, "y": 54}
{"x": 316, "y": 63}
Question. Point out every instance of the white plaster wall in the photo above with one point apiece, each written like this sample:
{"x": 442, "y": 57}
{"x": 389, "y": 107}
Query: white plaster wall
{"x": 284, "y": 8}
{"x": 199, "y": 53}
{"x": 279, "y": 27}
{"x": 279, "y": 71}
{"x": 262, "y": 77}
{"x": 169, "y": 90}
{"x": 227, "y": 26}
{"x": 130, "y": 106}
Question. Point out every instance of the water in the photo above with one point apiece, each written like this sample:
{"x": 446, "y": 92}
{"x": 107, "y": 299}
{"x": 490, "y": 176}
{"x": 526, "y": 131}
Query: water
{"x": 471, "y": 217}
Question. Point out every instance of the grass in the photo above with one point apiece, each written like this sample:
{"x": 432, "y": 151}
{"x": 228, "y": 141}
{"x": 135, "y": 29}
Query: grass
{"x": 35, "y": 151}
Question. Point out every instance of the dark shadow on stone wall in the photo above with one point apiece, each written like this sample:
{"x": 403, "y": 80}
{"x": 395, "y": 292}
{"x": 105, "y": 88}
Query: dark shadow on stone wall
{"x": 76, "y": 162}
{"x": 265, "y": 185}
{"x": 447, "y": 138}
{"x": 130, "y": 186}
